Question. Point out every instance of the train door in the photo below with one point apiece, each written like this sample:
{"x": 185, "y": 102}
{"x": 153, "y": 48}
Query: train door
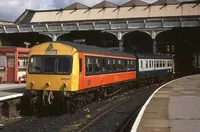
{"x": 10, "y": 69}
{"x": 82, "y": 71}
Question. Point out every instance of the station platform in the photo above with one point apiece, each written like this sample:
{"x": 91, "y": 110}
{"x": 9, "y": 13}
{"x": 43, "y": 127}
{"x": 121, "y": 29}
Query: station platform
{"x": 174, "y": 107}
{"x": 8, "y": 91}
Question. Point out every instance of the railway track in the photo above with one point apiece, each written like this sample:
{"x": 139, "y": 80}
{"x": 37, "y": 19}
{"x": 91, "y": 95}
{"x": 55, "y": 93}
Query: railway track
{"x": 119, "y": 116}
{"x": 105, "y": 115}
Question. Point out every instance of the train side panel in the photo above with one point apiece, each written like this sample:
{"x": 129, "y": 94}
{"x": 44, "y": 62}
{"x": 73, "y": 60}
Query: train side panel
{"x": 92, "y": 81}
{"x": 155, "y": 67}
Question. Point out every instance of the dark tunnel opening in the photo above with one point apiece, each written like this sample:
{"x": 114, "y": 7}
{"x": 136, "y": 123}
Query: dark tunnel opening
{"x": 95, "y": 38}
{"x": 134, "y": 42}
{"x": 183, "y": 45}
{"x": 18, "y": 39}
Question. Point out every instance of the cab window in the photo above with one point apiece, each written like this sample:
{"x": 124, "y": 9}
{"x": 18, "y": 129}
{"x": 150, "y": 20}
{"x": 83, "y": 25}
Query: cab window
{"x": 35, "y": 64}
{"x": 49, "y": 64}
{"x": 64, "y": 64}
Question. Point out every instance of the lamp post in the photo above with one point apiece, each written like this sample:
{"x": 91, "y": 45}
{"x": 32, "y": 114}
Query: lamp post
{"x": 27, "y": 44}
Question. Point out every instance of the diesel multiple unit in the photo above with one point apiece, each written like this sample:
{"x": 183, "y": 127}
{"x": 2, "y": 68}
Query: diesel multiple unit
{"x": 68, "y": 74}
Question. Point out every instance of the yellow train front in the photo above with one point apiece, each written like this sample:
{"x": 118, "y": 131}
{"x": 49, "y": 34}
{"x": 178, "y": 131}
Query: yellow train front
{"x": 68, "y": 74}
{"x": 52, "y": 71}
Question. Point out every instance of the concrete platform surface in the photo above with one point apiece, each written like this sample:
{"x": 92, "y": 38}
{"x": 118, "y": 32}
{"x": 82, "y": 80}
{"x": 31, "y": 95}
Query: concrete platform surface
{"x": 11, "y": 90}
{"x": 174, "y": 107}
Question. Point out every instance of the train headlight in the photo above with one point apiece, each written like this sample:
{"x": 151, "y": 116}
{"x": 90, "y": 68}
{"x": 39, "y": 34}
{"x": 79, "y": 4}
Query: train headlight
{"x": 65, "y": 85}
{"x": 31, "y": 84}
{"x": 47, "y": 84}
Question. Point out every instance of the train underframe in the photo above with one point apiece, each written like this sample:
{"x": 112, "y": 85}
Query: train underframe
{"x": 38, "y": 100}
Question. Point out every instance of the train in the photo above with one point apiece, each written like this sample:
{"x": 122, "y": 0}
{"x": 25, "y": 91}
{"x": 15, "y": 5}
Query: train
{"x": 69, "y": 75}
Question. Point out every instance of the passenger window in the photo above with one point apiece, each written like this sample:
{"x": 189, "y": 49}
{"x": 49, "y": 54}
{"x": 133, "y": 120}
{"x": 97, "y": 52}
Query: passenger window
{"x": 157, "y": 63}
{"x": 123, "y": 67}
{"x": 149, "y": 64}
{"x": 109, "y": 65}
{"x": 160, "y": 63}
{"x": 146, "y": 64}
{"x": 119, "y": 65}
{"x": 128, "y": 65}
{"x": 114, "y": 65}
{"x": 104, "y": 65}
{"x": 141, "y": 64}
{"x": 133, "y": 65}
{"x": 97, "y": 68}
{"x": 89, "y": 65}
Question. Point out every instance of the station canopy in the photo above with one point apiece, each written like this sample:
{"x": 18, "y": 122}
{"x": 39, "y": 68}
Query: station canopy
{"x": 76, "y": 6}
{"x": 133, "y": 3}
{"x": 105, "y": 4}
{"x": 165, "y": 2}
{"x": 79, "y": 12}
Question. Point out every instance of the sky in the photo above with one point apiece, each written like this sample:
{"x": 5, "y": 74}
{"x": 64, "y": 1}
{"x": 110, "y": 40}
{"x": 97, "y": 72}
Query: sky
{"x": 10, "y": 10}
